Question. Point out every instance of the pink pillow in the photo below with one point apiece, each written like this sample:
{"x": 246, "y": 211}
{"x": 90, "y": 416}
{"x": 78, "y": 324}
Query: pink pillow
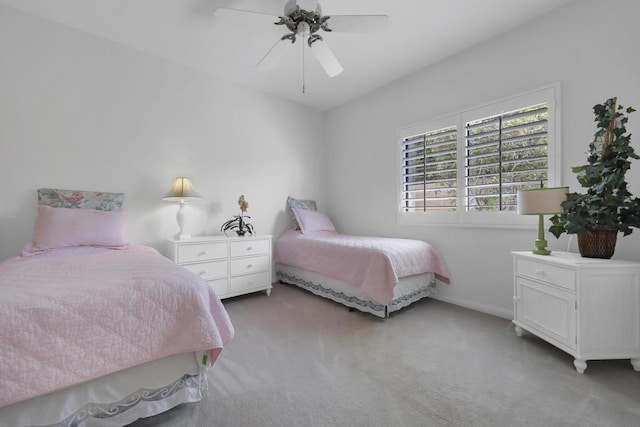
{"x": 312, "y": 221}
{"x": 68, "y": 227}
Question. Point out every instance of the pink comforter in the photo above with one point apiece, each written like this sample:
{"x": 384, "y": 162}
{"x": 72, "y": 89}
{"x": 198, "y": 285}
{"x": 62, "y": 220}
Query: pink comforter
{"x": 77, "y": 314}
{"x": 372, "y": 264}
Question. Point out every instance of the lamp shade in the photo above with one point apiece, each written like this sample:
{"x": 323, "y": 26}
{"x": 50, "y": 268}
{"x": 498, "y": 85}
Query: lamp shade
{"x": 182, "y": 191}
{"x": 541, "y": 201}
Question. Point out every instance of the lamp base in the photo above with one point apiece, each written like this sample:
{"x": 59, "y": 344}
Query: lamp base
{"x": 541, "y": 243}
{"x": 541, "y": 248}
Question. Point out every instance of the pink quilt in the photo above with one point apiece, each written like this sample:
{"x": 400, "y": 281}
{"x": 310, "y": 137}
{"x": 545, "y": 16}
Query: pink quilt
{"x": 372, "y": 264}
{"x": 73, "y": 315}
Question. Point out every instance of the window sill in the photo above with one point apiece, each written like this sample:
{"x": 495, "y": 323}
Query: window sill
{"x": 471, "y": 220}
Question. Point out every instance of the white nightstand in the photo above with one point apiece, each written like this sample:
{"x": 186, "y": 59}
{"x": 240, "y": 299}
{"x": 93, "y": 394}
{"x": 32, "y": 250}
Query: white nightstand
{"x": 588, "y": 307}
{"x": 231, "y": 265}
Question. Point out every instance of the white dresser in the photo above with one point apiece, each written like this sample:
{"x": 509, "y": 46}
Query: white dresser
{"x": 231, "y": 265}
{"x": 588, "y": 307}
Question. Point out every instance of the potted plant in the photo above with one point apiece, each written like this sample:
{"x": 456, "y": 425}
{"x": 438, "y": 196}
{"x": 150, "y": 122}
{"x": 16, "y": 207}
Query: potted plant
{"x": 607, "y": 207}
{"x": 238, "y": 223}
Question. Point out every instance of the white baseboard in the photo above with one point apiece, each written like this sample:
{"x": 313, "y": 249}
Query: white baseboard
{"x": 489, "y": 309}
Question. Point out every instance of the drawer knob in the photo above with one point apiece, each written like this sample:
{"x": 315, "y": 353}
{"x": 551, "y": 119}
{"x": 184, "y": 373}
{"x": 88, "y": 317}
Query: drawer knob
{"x": 539, "y": 272}
{"x": 203, "y": 272}
{"x": 249, "y": 265}
{"x": 249, "y": 248}
{"x": 203, "y": 253}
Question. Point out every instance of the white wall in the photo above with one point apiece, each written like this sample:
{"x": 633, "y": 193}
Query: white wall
{"x": 590, "y": 47}
{"x": 79, "y": 112}
{"x": 84, "y": 113}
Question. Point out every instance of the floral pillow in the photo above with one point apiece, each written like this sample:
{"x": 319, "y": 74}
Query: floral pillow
{"x": 299, "y": 204}
{"x": 80, "y": 199}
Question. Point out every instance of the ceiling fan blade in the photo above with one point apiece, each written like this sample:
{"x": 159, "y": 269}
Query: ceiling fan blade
{"x": 326, "y": 58}
{"x": 273, "y": 56}
{"x": 224, "y": 12}
{"x": 358, "y": 23}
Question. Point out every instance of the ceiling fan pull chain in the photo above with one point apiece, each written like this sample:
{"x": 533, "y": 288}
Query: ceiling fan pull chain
{"x": 303, "y": 76}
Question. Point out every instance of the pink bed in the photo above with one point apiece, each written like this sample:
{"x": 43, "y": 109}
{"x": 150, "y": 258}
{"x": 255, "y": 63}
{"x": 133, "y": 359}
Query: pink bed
{"x": 373, "y": 274}
{"x": 93, "y": 335}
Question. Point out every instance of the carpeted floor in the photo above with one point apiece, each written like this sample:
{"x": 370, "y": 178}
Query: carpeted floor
{"x": 300, "y": 360}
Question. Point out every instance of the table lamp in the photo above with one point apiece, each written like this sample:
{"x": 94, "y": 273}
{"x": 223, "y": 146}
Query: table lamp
{"x": 182, "y": 191}
{"x": 541, "y": 201}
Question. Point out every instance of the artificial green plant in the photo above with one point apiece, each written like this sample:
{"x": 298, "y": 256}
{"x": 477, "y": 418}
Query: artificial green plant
{"x": 607, "y": 203}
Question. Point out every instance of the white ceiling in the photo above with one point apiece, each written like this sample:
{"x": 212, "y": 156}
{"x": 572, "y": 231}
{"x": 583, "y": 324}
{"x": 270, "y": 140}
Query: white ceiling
{"x": 420, "y": 33}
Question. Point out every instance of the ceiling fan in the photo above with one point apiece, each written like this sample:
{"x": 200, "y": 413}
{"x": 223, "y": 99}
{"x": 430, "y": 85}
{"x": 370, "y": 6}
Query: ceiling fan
{"x": 304, "y": 19}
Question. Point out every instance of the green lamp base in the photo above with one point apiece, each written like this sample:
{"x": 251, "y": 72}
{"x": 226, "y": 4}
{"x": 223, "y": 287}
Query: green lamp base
{"x": 541, "y": 243}
{"x": 541, "y": 248}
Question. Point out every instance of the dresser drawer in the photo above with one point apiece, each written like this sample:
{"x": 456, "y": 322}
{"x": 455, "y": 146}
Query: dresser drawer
{"x": 552, "y": 274}
{"x": 209, "y": 270}
{"x": 250, "y": 247}
{"x": 250, "y": 265}
{"x": 201, "y": 251}
{"x": 231, "y": 266}
{"x": 249, "y": 282}
{"x": 220, "y": 286}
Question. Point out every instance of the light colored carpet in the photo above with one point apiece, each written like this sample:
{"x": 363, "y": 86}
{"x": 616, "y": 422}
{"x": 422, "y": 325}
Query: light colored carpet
{"x": 300, "y": 360}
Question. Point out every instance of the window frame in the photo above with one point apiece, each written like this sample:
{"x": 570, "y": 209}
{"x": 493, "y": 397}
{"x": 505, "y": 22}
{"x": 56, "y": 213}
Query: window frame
{"x": 460, "y": 217}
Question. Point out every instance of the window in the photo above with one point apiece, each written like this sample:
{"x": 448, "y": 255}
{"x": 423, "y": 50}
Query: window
{"x": 429, "y": 171}
{"x": 505, "y": 153}
{"x": 467, "y": 168}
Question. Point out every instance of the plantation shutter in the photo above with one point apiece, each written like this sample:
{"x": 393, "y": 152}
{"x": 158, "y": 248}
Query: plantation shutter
{"x": 429, "y": 169}
{"x": 505, "y": 153}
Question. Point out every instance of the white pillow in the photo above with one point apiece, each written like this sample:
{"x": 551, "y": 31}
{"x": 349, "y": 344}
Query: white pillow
{"x": 313, "y": 221}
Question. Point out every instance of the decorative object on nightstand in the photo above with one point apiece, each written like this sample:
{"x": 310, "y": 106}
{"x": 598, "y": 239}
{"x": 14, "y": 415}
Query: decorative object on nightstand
{"x": 586, "y": 307}
{"x": 541, "y": 201}
{"x": 238, "y": 223}
{"x": 607, "y": 207}
{"x": 231, "y": 265}
{"x": 182, "y": 191}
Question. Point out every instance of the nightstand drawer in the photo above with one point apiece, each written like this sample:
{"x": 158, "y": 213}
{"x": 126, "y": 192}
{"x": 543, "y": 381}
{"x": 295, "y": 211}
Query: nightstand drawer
{"x": 547, "y": 310}
{"x": 209, "y": 270}
{"x": 552, "y": 274}
{"x": 201, "y": 252}
{"x": 250, "y": 265}
{"x": 250, "y": 281}
{"x": 250, "y": 247}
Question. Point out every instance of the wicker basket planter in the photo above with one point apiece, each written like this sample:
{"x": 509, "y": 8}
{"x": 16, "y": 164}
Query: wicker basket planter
{"x": 597, "y": 243}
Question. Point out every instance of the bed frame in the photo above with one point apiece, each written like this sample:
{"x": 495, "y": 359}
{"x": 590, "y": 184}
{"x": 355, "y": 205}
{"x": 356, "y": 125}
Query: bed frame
{"x": 408, "y": 290}
{"x": 116, "y": 399}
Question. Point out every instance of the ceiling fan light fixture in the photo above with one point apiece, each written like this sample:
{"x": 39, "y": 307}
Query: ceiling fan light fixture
{"x": 303, "y": 29}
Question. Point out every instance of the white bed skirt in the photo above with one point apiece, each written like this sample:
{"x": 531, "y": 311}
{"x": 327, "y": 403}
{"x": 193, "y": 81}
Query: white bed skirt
{"x": 408, "y": 290}
{"x": 117, "y": 399}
